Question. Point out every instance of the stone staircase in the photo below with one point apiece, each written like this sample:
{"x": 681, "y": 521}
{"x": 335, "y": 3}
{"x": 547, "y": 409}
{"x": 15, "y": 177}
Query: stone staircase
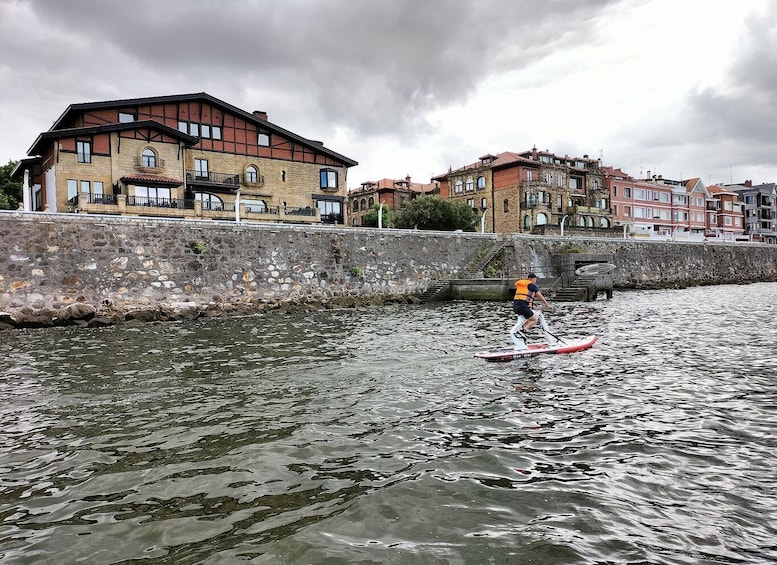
{"x": 581, "y": 289}
{"x": 438, "y": 289}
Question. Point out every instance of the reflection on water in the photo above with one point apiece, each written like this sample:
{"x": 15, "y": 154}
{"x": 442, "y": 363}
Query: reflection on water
{"x": 373, "y": 435}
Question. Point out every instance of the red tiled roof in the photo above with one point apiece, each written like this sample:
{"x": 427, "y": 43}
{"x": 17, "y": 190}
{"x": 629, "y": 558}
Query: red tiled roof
{"x": 151, "y": 179}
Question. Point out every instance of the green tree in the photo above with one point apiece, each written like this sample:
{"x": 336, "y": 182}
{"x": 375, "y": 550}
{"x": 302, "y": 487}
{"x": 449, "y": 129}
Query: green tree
{"x": 10, "y": 190}
{"x": 435, "y": 213}
{"x": 370, "y": 218}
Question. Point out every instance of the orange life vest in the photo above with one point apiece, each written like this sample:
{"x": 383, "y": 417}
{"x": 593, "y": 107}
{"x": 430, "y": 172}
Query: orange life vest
{"x": 522, "y": 291}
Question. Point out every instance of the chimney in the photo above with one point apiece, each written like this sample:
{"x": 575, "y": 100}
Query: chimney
{"x": 407, "y": 178}
{"x": 260, "y": 114}
{"x": 749, "y": 183}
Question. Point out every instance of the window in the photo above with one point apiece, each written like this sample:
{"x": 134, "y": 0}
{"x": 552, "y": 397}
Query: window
{"x": 471, "y": 202}
{"x": 209, "y": 201}
{"x": 126, "y": 117}
{"x": 263, "y": 139}
{"x": 328, "y": 178}
{"x": 99, "y": 191}
{"x": 548, "y": 178}
{"x": 252, "y": 175}
{"x": 355, "y": 206}
{"x": 483, "y": 204}
{"x": 183, "y": 126}
{"x": 152, "y": 196}
{"x": 72, "y": 188}
{"x": 215, "y": 132}
{"x": 148, "y": 158}
{"x": 627, "y": 192}
{"x": 560, "y": 180}
{"x": 283, "y": 176}
{"x": 506, "y": 205}
{"x": 331, "y": 211}
{"x": 481, "y": 182}
{"x": 529, "y": 175}
{"x": 371, "y": 202}
{"x": 614, "y": 191}
{"x": 84, "y": 150}
{"x": 205, "y": 130}
{"x": 470, "y": 185}
{"x": 201, "y": 169}
{"x": 194, "y": 129}
{"x": 458, "y": 187}
{"x": 86, "y": 186}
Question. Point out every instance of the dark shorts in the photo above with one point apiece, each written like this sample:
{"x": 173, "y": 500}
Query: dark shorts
{"x": 521, "y": 308}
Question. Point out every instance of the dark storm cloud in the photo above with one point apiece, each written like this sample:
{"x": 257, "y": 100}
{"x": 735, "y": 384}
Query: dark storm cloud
{"x": 372, "y": 66}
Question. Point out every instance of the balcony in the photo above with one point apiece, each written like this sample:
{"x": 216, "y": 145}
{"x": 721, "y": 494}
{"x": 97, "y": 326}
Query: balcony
{"x": 592, "y": 210}
{"x": 122, "y": 204}
{"x": 216, "y": 181}
{"x": 146, "y": 165}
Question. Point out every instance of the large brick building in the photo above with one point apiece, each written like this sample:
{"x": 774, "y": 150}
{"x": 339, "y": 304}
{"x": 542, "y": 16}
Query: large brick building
{"x": 188, "y": 156}
{"x": 519, "y": 192}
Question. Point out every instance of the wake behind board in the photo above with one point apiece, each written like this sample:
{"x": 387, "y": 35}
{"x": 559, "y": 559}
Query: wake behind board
{"x": 511, "y": 353}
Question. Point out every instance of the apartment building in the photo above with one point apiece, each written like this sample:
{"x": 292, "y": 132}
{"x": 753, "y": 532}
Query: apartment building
{"x": 519, "y": 192}
{"x": 725, "y": 214}
{"x": 760, "y": 210}
{"x": 657, "y": 207}
{"x": 182, "y": 156}
{"x": 391, "y": 192}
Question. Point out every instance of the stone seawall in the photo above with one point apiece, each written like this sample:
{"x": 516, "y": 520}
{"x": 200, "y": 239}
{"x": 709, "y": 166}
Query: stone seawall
{"x": 72, "y": 269}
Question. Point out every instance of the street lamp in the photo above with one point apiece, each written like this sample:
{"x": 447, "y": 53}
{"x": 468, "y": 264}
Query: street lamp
{"x": 561, "y": 224}
{"x": 380, "y": 216}
{"x": 483, "y": 220}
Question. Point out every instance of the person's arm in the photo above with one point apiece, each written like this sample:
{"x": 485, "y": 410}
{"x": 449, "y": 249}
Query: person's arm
{"x": 542, "y": 298}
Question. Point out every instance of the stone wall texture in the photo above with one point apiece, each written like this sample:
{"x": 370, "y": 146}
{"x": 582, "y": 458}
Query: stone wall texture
{"x": 115, "y": 266}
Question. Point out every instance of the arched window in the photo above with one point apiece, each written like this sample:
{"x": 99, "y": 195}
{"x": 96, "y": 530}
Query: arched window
{"x": 542, "y": 219}
{"x": 252, "y": 174}
{"x": 605, "y": 223}
{"x": 527, "y": 222}
{"x": 590, "y": 222}
{"x": 355, "y": 205}
{"x": 470, "y": 185}
{"x": 581, "y": 221}
{"x": 458, "y": 187}
{"x": 371, "y": 202}
{"x": 363, "y": 204}
{"x": 481, "y": 182}
{"x": 149, "y": 158}
{"x": 209, "y": 201}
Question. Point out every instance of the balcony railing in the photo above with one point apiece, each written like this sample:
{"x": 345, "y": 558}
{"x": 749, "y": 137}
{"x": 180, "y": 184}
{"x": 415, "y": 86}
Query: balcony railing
{"x": 154, "y": 202}
{"x": 225, "y": 179}
{"x": 146, "y": 163}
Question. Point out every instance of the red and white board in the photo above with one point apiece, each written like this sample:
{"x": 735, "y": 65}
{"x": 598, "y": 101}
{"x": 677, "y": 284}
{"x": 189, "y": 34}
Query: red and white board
{"x": 511, "y": 353}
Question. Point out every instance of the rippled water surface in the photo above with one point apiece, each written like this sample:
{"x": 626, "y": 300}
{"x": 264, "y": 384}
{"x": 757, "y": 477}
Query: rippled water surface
{"x": 374, "y": 436}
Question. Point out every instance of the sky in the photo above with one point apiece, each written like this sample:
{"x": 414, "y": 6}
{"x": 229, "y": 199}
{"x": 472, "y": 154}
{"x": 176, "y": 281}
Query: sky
{"x": 680, "y": 88}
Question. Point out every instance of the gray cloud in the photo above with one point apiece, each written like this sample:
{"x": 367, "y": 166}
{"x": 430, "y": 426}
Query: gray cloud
{"x": 371, "y": 66}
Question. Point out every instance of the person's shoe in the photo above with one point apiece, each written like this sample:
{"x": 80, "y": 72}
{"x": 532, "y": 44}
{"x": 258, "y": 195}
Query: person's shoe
{"x": 521, "y": 334}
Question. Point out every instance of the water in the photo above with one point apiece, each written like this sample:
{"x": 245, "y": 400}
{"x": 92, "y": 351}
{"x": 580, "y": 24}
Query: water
{"x": 374, "y": 436}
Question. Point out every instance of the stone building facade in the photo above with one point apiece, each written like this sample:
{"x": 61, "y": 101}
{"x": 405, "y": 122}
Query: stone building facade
{"x": 182, "y": 156}
{"x": 521, "y": 192}
{"x": 391, "y": 192}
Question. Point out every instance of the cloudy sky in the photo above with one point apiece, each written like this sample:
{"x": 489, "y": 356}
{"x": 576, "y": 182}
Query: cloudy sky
{"x": 682, "y": 88}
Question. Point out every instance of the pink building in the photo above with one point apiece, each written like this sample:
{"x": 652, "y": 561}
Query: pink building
{"x": 725, "y": 215}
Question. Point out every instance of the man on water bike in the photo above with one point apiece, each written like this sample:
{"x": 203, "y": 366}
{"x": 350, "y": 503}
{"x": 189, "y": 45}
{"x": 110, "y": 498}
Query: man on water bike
{"x": 526, "y": 292}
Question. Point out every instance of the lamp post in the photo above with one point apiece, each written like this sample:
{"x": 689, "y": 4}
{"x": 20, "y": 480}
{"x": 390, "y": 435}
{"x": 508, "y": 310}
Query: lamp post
{"x": 380, "y": 216}
{"x": 483, "y": 220}
{"x": 561, "y": 224}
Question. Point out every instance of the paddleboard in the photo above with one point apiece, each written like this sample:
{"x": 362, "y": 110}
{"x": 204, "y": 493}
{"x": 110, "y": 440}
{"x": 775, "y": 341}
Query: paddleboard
{"x": 511, "y": 353}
